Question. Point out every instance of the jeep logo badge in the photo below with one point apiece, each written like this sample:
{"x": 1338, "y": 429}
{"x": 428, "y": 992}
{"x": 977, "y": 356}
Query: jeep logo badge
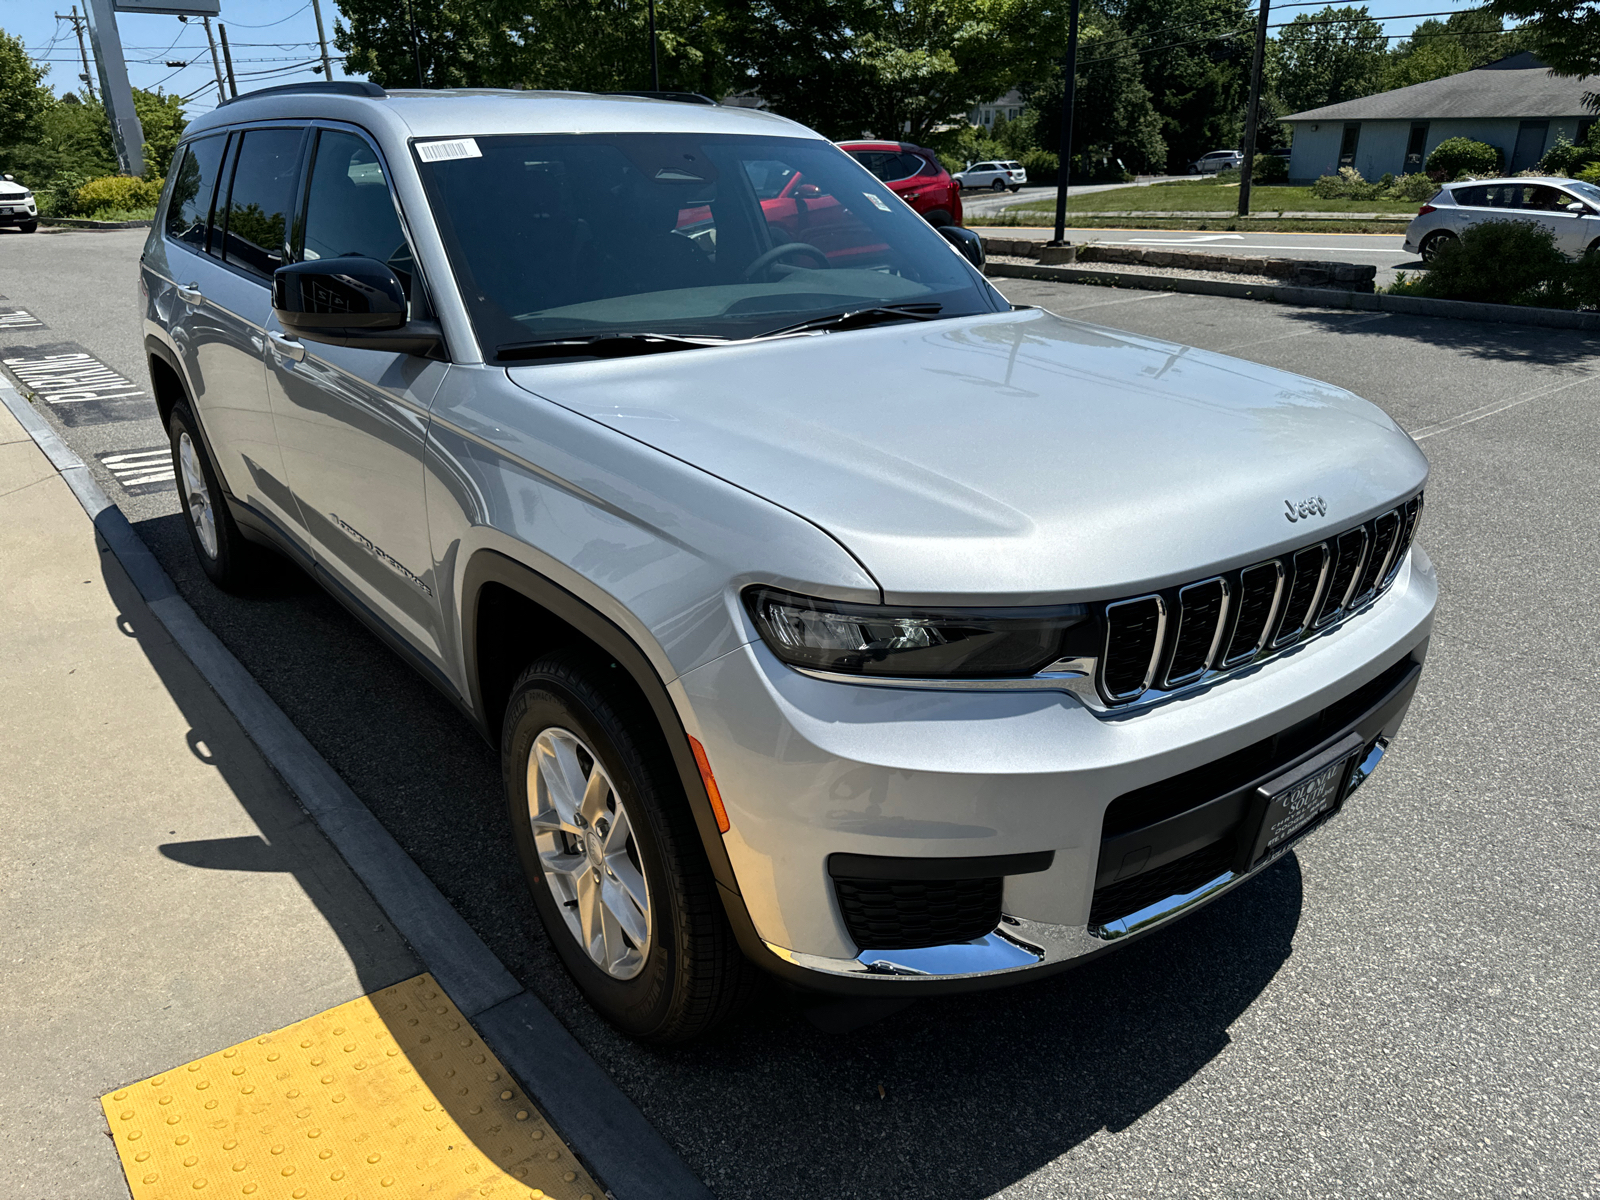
{"x": 1299, "y": 512}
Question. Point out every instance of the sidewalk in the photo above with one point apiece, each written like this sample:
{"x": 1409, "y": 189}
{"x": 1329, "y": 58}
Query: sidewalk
{"x": 166, "y": 899}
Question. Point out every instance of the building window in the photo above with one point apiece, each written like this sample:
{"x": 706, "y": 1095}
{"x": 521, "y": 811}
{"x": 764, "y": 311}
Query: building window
{"x": 1416, "y": 145}
{"x": 1584, "y": 126}
{"x": 1347, "y": 145}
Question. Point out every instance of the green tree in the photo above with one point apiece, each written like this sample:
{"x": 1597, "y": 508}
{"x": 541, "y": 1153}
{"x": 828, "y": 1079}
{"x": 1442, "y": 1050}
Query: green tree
{"x": 1439, "y": 48}
{"x": 1195, "y": 60}
{"x": 23, "y": 96}
{"x": 1113, "y": 117}
{"x": 587, "y": 45}
{"x": 1565, "y": 34}
{"x": 1329, "y": 56}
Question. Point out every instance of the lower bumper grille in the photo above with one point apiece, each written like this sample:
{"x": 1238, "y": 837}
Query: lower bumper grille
{"x": 905, "y": 914}
{"x": 1177, "y": 878}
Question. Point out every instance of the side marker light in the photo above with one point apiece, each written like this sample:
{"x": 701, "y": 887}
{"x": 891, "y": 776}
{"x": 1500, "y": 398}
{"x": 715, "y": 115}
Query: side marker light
{"x": 710, "y": 780}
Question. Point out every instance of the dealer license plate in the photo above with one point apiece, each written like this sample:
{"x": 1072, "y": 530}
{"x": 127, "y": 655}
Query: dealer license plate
{"x": 1295, "y": 801}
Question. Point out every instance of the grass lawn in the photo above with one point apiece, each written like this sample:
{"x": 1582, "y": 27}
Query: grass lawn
{"x": 1223, "y": 222}
{"x": 1213, "y": 197}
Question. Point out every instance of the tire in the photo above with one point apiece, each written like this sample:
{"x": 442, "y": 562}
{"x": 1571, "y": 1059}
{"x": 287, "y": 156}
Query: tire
{"x": 663, "y": 972}
{"x": 998, "y": 185}
{"x": 938, "y": 217}
{"x": 29, "y": 226}
{"x": 1433, "y": 243}
{"x": 1016, "y": 188}
{"x": 229, "y": 561}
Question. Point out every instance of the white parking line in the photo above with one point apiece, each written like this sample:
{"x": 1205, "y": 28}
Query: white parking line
{"x": 1490, "y": 409}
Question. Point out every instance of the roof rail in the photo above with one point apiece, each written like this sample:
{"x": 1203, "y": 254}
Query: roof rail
{"x": 317, "y": 87}
{"x": 681, "y": 97}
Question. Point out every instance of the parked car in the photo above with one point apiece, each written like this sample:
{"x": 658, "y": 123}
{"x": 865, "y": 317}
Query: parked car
{"x": 1217, "y": 161}
{"x": 17, "y": 205}
{"x": 996, "y": 175}
{"x": 914, "y": 174}
{"x": 794, "y": 657}
{"x": 1568, "y": 208}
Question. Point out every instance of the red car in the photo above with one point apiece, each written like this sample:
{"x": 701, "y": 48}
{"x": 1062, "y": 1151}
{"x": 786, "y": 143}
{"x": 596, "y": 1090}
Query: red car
{"x": 913, "y": 174}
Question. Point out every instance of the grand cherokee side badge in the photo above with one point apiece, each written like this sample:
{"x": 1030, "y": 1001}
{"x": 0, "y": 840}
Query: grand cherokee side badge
{"x": 1299, "y": 512}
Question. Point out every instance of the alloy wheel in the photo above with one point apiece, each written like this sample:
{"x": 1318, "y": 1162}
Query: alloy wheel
{"x": 198, "y": 495}
{"x": 588, "y": 852}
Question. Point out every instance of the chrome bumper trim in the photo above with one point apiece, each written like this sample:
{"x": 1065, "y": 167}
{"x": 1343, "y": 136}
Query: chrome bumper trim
{"x": 1019, "y": 944}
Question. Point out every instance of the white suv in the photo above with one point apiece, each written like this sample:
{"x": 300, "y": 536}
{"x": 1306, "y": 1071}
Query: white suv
{"x": 996, "y": 175}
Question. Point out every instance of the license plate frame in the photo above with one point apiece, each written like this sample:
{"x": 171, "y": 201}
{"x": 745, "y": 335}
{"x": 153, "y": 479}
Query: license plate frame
{"x": 1287, "y": 807}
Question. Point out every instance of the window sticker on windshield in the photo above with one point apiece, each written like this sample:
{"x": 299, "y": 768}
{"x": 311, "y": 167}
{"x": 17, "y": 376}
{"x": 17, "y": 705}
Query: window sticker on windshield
{"x": 877, "y": 202}
{"x": 448, "y": 149}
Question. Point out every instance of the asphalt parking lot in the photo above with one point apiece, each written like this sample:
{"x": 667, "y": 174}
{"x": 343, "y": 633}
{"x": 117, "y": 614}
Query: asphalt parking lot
{"x": 1406, "y": 1006}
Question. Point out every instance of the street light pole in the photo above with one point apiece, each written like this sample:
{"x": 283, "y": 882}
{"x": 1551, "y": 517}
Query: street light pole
{"x": 1068, "y": 100}
{"x": 216, "y": 63}
{"x": 227, "y": 61}
{"x": 1247, "y": 167}
{"x": 77, "y": 28}
{"x": 655, "y": 63}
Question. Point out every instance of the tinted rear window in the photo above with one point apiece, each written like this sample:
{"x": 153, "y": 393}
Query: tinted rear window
{"x": 261, "y": 200}
{"x": 189, "y": 209}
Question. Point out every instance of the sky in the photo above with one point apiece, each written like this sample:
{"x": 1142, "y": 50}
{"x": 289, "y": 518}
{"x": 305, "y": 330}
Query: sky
{"x": 275, "y": 41}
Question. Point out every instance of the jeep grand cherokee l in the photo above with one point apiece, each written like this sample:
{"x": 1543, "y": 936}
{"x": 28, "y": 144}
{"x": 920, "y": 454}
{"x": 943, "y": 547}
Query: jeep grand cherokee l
{"x": 830, "y": 615}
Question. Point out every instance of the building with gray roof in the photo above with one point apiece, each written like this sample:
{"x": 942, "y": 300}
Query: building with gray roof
{"x": 1516, "y": 104}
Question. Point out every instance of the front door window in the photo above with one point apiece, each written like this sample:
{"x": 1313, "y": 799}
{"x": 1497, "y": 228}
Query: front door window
{"x": 1415, "y": 145}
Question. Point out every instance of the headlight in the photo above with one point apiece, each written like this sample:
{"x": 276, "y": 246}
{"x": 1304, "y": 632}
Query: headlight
{"x": 927, "y": 643}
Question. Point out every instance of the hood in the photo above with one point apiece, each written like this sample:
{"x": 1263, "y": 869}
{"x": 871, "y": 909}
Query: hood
{"x": 1013, "y": 457}
{"x": 10, "y": 189}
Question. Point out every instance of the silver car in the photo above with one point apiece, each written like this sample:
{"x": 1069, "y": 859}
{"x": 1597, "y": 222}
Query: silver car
{"x": 830, "y": 615}
{"x": 1568, "y": 208}
{"x": 996, "y": 174}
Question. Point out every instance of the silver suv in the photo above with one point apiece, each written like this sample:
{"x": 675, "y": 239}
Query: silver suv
{"x": 831, "y": 615}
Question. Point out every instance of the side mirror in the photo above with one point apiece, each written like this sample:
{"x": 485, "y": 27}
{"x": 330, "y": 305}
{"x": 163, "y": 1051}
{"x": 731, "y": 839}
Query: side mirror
{"x": 1577, "y": 206}
{"x": 968, "y": 243}
{"x": 350, "y": 301}
{"x": 10, "y": 179}
{"x": 808, "y": 191}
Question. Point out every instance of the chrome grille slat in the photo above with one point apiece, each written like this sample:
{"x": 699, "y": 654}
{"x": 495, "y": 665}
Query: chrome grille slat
{"x": 1255, "y": 619}
{"x": 1202, "y": 615}
{"x": 1192, "y": 633}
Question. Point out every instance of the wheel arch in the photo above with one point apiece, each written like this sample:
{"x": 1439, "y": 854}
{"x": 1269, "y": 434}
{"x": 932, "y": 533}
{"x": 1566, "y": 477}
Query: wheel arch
{"x": 511, "y": 615}
{"x": 166, "y": 379}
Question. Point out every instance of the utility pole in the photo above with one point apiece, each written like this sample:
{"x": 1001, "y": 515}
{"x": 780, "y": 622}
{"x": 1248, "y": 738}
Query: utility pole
{"x": 655, "y": 64}
{"x": 1068, "y": 100}
{"x": 322, "y": 38}
{"x": 77, "y": 28}
{"x": 416, "y": 47}
{"x": 1247, "y": 167}
{"x": 216, "y": 63}
{"x": 127, "y": 137}
{"x": 227, "y": 61}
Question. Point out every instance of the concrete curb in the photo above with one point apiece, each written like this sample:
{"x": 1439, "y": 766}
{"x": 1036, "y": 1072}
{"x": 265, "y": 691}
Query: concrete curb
{"x": 601, "y": 1124}
{"x": 84, "y": 223}
{"x": 1417, "y": 306}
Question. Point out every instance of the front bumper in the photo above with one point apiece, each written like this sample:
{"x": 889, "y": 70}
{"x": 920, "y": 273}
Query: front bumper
{"x": 20, "y": 216}
{"x": 811, "y": 770}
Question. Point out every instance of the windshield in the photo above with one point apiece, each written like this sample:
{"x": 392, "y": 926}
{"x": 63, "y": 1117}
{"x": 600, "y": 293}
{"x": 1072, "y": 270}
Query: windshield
{"x": 1587, "y": 190}
{"x": 559, "y": 236}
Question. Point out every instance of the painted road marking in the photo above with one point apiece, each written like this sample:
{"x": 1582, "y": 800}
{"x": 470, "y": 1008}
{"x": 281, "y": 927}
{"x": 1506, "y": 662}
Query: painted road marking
{"x": 20, "y": 318}
{"x": 140, "y": 472}
{"x": 1194, "y": 241}
{"x": 78, "y": 387}
{"x": 391, "y": 1091}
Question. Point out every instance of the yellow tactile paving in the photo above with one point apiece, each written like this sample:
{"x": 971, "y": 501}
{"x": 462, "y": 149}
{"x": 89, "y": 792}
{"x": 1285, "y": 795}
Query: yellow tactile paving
{"x": 390, "y": 1095}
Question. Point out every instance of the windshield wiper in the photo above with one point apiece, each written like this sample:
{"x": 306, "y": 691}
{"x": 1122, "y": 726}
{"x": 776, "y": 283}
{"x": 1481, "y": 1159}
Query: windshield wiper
{"x": 604, "y": 345}
{"x": 860, "y": 318}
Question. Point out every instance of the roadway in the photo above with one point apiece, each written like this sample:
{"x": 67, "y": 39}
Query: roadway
{"x": 1404, "y": 1006}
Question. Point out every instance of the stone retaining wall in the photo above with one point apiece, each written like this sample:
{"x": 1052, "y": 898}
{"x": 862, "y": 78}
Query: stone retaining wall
{"x": 1354, "y": 277}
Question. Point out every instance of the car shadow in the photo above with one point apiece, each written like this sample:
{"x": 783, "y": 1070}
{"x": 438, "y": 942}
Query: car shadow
{"x": 1569, "y": 350}
{"x": 957, "y": 1096}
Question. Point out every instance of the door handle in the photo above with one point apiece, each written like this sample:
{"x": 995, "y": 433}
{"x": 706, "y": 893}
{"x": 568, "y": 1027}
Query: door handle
{"x": 189, "y": 293}
{"x": 287, "y": 347}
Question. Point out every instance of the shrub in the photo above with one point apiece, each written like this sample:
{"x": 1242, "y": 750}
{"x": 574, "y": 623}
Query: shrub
{"x": 120, "y": 192}
{"x": 1269, "y": 168}
{"x": 1564, "y": 158}
{"x": 1416, "y": 187}
{"x": 1590, "y": 174}
{"x": 1346, "y": 185}
{"x": 1041, "y": 165}
{"x": 1455, "y": 157}
{"x": 1499, "y": 262}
